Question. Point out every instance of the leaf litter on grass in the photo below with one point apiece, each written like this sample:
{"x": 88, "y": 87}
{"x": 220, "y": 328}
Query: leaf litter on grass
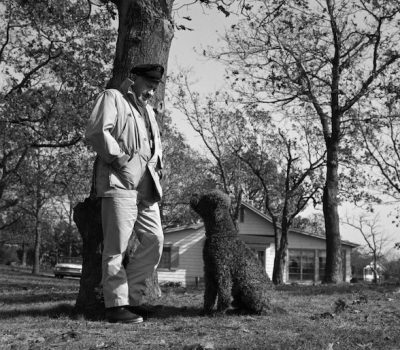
{"x": 37, "y": 312}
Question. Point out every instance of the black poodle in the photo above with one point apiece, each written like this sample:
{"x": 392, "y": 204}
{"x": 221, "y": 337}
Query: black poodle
{"x": 230, "y": 267}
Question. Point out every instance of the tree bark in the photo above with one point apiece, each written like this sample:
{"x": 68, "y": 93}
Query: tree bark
{"x": 145, "y": 33}
{"x": 280, "y": 258}
{"x": 36, "y": 251}
{"x": 87, "y": 216}
{"x": 333, "y": 269}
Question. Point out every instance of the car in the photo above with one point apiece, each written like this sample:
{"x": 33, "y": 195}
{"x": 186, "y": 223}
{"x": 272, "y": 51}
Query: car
{"x": 68, "y": 267}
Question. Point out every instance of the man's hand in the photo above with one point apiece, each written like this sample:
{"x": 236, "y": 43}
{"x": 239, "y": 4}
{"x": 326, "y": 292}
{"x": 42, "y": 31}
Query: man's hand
{"x": 160, "y": 108}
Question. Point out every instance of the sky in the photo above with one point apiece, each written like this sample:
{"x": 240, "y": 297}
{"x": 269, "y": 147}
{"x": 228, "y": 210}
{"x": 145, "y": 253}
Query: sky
{"x": 208, "y": 26}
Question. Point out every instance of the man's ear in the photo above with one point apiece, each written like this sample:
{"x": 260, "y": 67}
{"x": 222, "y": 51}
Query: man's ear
{"x": 125, "y": 85}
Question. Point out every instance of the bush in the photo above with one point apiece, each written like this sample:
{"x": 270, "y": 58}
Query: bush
{"x": 8, "y": 255}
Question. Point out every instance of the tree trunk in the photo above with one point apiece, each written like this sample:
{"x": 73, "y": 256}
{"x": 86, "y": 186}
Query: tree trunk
{"x": 333, "y": 268}
{"x": 36, "y": 251}
{"x": 280, "y": 259}
{"x": 145, "y": 33}
{"x": 375, "y": 280}
{"x": 87, "y": 216}
{"x": 24, "y": 254}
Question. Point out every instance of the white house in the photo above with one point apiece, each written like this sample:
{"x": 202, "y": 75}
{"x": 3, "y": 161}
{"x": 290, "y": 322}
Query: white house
{"x": 182, "y": 255}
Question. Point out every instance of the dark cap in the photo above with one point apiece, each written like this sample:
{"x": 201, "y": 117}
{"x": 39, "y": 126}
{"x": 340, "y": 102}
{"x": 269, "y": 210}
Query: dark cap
{"x": 152, "y": 72}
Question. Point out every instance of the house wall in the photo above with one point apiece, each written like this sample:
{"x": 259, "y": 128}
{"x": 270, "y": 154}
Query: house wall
{"x": 270, "y": 256}
{"x": 190, "y": 243}
{"x": 299, "y": 241}
{"x": 348, "y": 263}
{"x": 254, "y": 224}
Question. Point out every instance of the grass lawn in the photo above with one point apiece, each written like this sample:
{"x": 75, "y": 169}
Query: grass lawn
{"x": 37, "y": 312}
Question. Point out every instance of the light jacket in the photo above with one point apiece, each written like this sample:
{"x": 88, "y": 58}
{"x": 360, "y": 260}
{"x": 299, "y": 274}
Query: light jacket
{"x": 117, "y": 135}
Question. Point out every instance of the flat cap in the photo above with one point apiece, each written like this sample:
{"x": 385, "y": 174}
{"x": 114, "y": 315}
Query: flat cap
{"x": 152, "y": 72}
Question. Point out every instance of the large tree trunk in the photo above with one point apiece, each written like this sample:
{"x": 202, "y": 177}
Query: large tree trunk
{"x": 280, "y": 259}
{"x": 333, "y": 269}
{"x": 87, "y": 216}
{"x": 145, "y": 33}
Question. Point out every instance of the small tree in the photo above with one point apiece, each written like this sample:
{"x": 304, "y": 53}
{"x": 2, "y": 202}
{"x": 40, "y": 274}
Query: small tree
{"x": 374, "y": 238}
{"x": 288, "y": 169}
{"x": 252, "y": 152}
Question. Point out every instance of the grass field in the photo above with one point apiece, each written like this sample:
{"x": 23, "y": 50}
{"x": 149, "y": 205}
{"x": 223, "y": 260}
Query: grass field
{"x": 37, "y": 312}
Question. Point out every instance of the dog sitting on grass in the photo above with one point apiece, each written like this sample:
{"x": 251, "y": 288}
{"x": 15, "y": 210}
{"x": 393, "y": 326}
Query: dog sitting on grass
{"x": 231, "y": 269}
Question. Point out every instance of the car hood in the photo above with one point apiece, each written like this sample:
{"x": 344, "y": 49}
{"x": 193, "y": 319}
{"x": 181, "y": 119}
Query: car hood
{"x": 72, "y": 266}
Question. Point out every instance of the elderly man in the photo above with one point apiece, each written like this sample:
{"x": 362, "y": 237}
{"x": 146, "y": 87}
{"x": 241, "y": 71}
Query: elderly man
{"x": 123, "y": 131}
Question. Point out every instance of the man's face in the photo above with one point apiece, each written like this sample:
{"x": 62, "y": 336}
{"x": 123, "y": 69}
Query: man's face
{"x": 144, "y": 88}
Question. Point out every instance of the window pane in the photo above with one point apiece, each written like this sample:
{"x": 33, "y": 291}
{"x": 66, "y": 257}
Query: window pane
{"x": 322, "y": 264}
{"x": 165, "y": 262}
{"x": 308, "y": 265}
{"x": 294, "y": 265}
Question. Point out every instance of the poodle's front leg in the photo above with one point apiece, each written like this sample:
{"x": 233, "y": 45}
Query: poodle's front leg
{"x": 210, "y": 294}
{"x": 224, "y": 291}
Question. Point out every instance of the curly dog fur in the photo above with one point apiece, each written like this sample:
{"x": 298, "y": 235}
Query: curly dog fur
{"x": 231, "y": 269}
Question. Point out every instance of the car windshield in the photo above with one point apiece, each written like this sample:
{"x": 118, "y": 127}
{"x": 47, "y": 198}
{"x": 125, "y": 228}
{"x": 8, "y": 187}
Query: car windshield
{"x": 70, "y": 260}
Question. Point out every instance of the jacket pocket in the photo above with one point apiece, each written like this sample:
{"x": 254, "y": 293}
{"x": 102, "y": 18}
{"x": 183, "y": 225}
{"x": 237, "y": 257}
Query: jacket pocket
{"x": 129, "y": 175}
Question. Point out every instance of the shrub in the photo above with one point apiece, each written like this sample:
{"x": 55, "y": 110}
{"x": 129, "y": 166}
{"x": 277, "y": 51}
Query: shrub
{"x": 8, "y": 255}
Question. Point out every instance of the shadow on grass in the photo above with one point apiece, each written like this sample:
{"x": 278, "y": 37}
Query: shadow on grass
{"x": 165, "y": 312}
{"x": 11, "y": 299}
{"x": 65, "y": 310}
{"x": 56, "y": 311}
{"x": 326, "y": 289}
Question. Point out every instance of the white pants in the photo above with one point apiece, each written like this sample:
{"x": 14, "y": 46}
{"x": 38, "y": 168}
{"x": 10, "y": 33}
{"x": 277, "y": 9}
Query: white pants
{"x": 122, "y": 217}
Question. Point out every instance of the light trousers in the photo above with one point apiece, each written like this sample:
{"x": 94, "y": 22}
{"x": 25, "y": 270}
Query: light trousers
{"x": 122, "y": 218}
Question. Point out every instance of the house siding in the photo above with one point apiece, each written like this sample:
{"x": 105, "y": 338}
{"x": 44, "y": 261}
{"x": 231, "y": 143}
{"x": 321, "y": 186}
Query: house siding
{"x": 299, "y": 241}
{"x": 254, "y": 224}
{"x": 270, "y": 257}
{"x": 190, "y": 243}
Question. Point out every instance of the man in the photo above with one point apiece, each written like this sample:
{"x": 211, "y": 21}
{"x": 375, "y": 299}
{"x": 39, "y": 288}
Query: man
{"x": 123, "y": 131}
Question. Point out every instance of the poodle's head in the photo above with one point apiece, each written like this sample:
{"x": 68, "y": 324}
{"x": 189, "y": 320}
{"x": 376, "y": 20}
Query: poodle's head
{"x": 211, "y": 204}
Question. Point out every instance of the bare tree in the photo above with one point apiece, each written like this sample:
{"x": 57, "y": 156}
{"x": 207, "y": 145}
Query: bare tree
{"x": 282, "y": 167}
{"x": 373, "y": 236}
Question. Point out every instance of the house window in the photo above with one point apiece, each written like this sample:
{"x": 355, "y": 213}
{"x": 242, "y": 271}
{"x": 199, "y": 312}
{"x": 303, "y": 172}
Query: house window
{"x": 321, "y": 264}
{"x": 260, "y": 254}
{"x": 301, "y": 265}
{"x": 169, "y": 258}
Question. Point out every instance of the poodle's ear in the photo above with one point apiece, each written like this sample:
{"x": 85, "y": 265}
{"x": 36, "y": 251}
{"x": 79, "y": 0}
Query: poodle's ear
{"x": 194, "y": 200}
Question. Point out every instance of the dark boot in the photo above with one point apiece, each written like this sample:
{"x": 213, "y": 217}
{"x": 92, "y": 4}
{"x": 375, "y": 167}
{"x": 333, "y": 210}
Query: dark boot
{"x": 121, "y": 314}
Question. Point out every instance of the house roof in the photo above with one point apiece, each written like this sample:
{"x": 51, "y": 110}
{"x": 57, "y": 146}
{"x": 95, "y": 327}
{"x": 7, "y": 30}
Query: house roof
{"x": 264, "y": 216}
{"x": 269, "y": 219}
{"x": 195, "y": 226}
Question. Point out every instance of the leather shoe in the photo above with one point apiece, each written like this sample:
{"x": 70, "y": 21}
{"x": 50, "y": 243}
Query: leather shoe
{"x": 121, "y": 314}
